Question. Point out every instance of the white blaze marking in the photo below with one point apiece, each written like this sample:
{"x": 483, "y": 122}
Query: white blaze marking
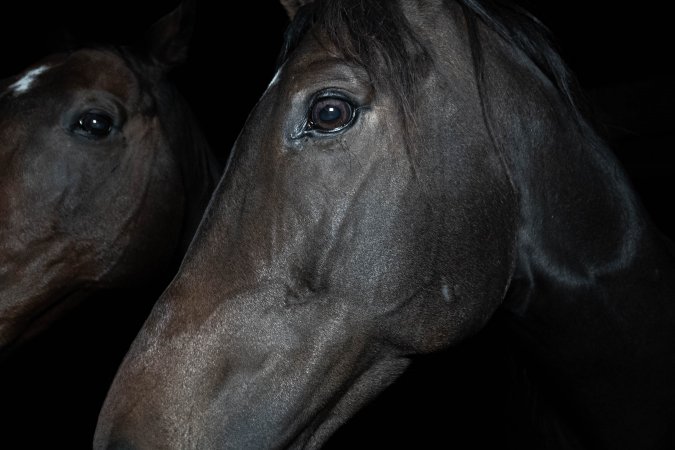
{"x": 445, "y": 291}
{"x": 21, "y": 86}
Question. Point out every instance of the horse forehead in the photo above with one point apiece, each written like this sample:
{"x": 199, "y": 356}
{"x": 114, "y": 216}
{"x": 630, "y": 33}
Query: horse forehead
{"x": 100, "y": 69}
{"x": 81, "y": 70}
{"x": 315, "y": 61}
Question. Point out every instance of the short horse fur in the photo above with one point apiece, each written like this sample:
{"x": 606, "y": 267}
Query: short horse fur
{"x": 414, "y": 167}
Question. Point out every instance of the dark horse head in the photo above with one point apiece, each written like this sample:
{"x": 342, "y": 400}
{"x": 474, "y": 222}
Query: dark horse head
{"x": 103, "y": 175}
{"x": 413, "y": 167}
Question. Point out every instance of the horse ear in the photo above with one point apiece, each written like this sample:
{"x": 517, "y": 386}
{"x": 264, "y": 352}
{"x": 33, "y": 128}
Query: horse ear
{"x": 292, "y": 6}
{"x": 168, "y": 39}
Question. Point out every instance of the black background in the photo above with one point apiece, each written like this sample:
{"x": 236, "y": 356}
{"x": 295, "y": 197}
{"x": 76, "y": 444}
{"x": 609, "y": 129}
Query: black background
{"x": 49, "y": 394}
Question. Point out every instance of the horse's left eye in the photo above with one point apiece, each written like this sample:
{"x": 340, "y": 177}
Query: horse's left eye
{"x": 94, "y": 124}
{"x": 330, "y": 114}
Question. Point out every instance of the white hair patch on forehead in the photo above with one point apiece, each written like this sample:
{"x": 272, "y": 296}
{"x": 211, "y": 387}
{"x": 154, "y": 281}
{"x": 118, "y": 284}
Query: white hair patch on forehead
{"x": 26, "y": 81}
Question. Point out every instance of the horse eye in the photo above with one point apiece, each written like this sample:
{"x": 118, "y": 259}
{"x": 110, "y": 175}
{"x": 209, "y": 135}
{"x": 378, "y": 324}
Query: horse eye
{"x": 95, "y": 124}
{"x": 330, "y": 114}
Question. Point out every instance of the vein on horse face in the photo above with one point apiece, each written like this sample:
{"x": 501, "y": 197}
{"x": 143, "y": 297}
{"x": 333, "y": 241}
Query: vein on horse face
{"x": 24, "y": 83}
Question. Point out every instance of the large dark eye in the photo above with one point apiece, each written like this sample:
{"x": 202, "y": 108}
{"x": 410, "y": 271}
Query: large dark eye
{"x": 94, "y": 124}
{"x": 330, "y": 114}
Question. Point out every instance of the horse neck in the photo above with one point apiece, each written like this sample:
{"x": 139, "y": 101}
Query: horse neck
{"x": 593, "y": 293}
